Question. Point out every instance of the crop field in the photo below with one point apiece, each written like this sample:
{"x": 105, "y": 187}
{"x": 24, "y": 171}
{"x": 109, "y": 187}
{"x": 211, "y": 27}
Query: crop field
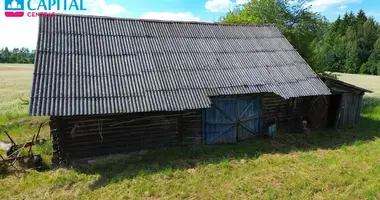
{"x": 343, "y": 164}
{"x": 15, "y": 82}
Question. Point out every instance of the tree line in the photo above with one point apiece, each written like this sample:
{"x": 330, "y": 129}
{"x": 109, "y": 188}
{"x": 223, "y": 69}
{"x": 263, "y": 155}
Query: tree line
{"x": 17, "y": 55}
{"x": 350, "y": 44}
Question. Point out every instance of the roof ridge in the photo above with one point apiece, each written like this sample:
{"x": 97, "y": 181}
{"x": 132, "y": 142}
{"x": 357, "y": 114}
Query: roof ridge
{"x": 158, "y": 20}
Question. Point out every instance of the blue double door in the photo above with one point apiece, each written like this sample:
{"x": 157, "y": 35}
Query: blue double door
{"x": 232, "y": 118}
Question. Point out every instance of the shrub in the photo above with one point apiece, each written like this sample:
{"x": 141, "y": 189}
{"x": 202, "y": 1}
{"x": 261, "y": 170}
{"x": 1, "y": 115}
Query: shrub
{"x": 363, "y": 69}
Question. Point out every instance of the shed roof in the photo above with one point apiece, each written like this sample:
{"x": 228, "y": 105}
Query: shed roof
{"x": 329, "y": 80}
{"x": 100, "y": 65}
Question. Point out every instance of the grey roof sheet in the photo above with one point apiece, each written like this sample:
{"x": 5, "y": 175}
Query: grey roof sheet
{"x": 99, "y": 65}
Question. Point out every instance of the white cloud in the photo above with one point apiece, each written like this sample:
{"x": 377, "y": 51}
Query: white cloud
{"x": 22, "y": 32}
{"x": 239, "y": 2}
{"x": 342, "y": 7}
{"x": 219, "y": 5}
{"x": 180, "y": 16}
{"x": 222, "y": 5}
{"x": 16, "y": 32}
{"x": 100, "y": 7}
{"x": 322, "y": 5}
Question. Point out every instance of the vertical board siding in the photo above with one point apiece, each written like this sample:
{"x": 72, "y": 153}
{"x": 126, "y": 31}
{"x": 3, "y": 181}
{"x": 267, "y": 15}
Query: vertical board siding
{"x": 358, "y": 109}
{"x": 350, "y": 103}
{"x": 319, "y": 112}
{"x": 220, "y": 124}
{"x": 249, "y": 115}
{"x": 350, "y": 110}
{"x": 91, "y": 136}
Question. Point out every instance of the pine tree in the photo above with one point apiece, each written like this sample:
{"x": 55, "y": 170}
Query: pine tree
{"x": 349, "y": 45}
{"x": 374, "y": 59}
{"x": 368, "y": 38}
{"x": 352, "y": 62}
{"x": 361, "y": 17}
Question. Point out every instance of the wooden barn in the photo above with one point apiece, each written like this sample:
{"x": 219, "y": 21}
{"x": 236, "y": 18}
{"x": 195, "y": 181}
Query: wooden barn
{"x": 113, "y": 85}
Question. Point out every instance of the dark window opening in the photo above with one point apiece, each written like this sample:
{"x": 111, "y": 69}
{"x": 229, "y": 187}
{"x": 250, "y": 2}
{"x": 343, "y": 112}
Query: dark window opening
{"x": 333, "y": 109}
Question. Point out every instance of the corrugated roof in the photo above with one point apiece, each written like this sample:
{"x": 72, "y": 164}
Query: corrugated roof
{"x": 89, "y": 65}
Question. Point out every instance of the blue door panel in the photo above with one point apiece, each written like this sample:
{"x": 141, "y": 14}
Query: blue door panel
{"x": 232, "y": 118}
{"x": 249, "y": 117}
{"x": 220, "y": 134}
{"x": 219, "y": 124}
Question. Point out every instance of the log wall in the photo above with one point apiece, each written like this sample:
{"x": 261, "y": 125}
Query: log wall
{"x": 287, "y": 113}
{"x": 91, "y": 136}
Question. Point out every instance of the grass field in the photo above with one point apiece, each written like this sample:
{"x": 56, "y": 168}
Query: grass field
{"x": 15, "y": 86}
{"x": 15, "y": 82}
{"x": 342, "y": 164}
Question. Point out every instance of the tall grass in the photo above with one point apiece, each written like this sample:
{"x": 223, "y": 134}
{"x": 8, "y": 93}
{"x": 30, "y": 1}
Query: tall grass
{"x": 370, "y": 103}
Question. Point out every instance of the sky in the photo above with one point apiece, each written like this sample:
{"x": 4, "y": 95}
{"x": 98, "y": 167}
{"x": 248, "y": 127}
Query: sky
{"x": 22, "y": 32}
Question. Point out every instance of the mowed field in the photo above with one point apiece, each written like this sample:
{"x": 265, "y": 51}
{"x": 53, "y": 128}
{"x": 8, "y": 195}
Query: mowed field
{"x": 368, "y": 82}
{"x": 15, "y": 84}
{"x": 15, "y": 87}
{"x": 342, "y": 164}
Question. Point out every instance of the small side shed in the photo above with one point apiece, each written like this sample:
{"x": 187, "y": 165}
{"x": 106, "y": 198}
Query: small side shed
{"x": 342, "y": 108}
